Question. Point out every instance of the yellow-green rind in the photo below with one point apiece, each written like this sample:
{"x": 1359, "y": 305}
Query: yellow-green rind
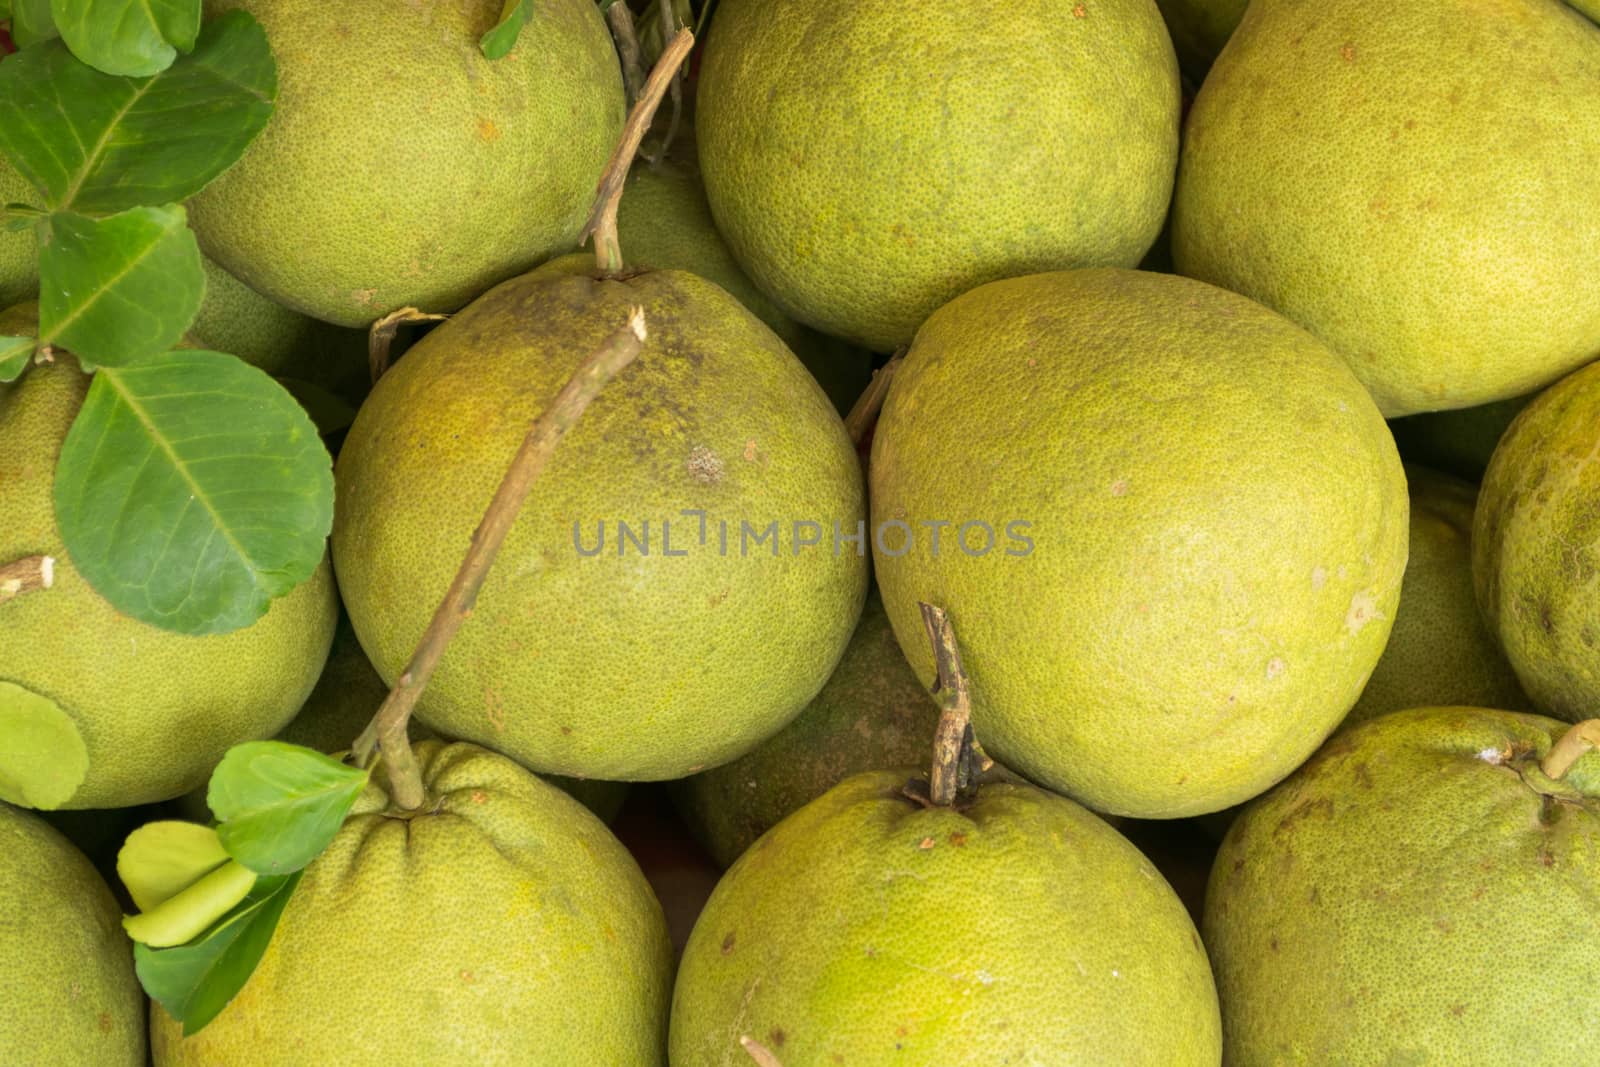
{"x": 1439, "y": 651}
{"x": 504, "y": 925}
{"x": 66, "y": 969}
{"x": 1413, "y": 183}
{"x": 402, "y": 166}
{"x": 1406, "y": 898}
{"x": 866, "y": 929}
{"x": 1536, "y": 547}
{"x": 703, "y": 654}
{"x": 866, "y": 165}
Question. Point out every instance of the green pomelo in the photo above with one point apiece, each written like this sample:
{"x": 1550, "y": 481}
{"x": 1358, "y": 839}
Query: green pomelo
{"x": 1196, "y": 530}
{"x": 872, "y": 714}
{"x": 867, "y": 162}
{"x": 1417, "y": 893}
{"x": 66, "y": 970}
{"x": 1199, "y": 29}
{"x": 402, "y": 167}
{"x": 152, "y": 711}
{"x": 866, "y": 929}
{"x": 1536, "y": 547}
{"x": 705, "y": 646}
{"x": 502, "y": 925}
{"x": 19, "y": 251}
{"x": 1439, "y": 652}
{"x": 664, "y": 222}
{"x": 1413, "y": 183}
{"x": 1457, "y": 442}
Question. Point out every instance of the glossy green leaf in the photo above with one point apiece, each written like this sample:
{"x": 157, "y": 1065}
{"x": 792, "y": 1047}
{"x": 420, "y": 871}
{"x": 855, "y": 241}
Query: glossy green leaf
{"x": 280, "y": 804}
{"x": 15, "y": 352}
{"x": 500, "y": 40}
{"x": 121, "y": 288}
{"x": 31, "y": 22}
{"x": 97, "y": 144}
{"x": 192, "y": 490}
{"x": 42, "y": 755}
{"x": 159, "y": 860}
{"x": 194, "y": 982}
{"x": 136, "y": 38}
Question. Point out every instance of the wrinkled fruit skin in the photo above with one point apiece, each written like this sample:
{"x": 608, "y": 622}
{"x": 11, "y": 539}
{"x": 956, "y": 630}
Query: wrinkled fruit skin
{"x": 1368, "y": 171}
{"x": 861, "y": 193}
{"x": 1406, "y": 897}
{"x": 401, "y": 166}
{"x": 873, "y": 713}
{"x": 504, "y": 919}
{"x": 155, "y": 709}
{"x": 1536, "y": 547}
{"x": 1218, "y": 529}
{"x": 866, "y": 929}
{"x": 66, "y": 968}
{"x": 1439, "y": 651}
{"x": 703, "y": 655}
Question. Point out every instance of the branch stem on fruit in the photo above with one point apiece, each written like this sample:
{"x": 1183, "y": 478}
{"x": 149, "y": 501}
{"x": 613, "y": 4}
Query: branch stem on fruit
{"x": 26, "y": 575}
{"x": 380, "y": 337}
{"x": 386, "y": 735}
{"x": 1574, "y": 744}
{"x": 956, "y": 757}
{"x": 602, "y": 225}
{"x": 864, "y": 412}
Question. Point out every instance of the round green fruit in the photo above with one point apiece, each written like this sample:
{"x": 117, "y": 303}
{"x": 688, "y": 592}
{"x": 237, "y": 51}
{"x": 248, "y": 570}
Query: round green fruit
{"x": 1413, "y": 183}
{"x": 99, "y": 710}
{"x": 870, "y": 930}
{"x": 1439, "y": 651}
{"x": 1459, "y": 441}
{"x": 1418, "y": 893}
{"x": 591, "y": 654}
{"x": 403, "y": 167}
{"x": 867, "y": 162}
{"x": 1176, "y": 528}
{"x": 502, "y": 924}
{"x": 1199, "y": 30}
{"x": 873, "y": 713}
{"x": 1536, "y": 546}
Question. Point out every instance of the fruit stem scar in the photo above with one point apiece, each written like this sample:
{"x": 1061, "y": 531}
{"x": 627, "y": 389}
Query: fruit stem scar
{"x": 955, "y": 750}
{"x": 387, "y": 731}
{"x": 1582, "y": 738}
{"x": 25, "y": 575}
{"x": 380, "y": 337}
{"x": 760, "y": 1053}
{"x": 602, "y": 224}
{"x": 864, "y": 412}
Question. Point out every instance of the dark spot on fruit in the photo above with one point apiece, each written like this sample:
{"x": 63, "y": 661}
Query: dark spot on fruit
{"x": 1315, "y": 895}
{"x": 1458, "y": 1010}
{"x": 776, "y": 1037}
{"x": 566, "y": 731}
{"x": 1363, "y": 776}
{"x": 728, "y": 942}
{"x": 104, "y": 1022}
{"x": 1545, "y": 620}
{"x": 1444, "y": 926}
{"x": 900, "y": 1031}
{"x": 1348, "y": 52}
{"x": 1273, "y": 944}
{"x": 958, "y": 839}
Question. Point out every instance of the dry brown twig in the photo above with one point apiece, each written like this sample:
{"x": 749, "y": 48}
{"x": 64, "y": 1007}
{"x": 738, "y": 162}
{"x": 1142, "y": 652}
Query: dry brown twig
{"x": 864, "y": 412}
{"x": 1574, "y": 744}
{"x": 26, "y": 575}
{"x": 380, "y": 337}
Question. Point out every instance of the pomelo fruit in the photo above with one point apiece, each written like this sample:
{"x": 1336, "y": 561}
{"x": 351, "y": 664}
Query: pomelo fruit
{"x": 19, "y": 251}
{"x": 868, "y": 161}
{"x": 1410, "y": 182}
{"x": 117, "y": 712}
{"x": 867, "y": 929}
{"x": 1175, "y": 532}
{"x": 872, "y": 714}
{"x": 592, "y": 652}
{"x": 402, "y": 167}
{"x": 1457, "y": 442}
{"x": 1536, "y": 546}
{"x": 664, "y": 222}
{"x": 1199, "y": 29}
{"x": 1439, "y": 651}
{"x": 66, "y": 969}
{"x": 1418, "y": 893}
{"x": 502, "y": 925}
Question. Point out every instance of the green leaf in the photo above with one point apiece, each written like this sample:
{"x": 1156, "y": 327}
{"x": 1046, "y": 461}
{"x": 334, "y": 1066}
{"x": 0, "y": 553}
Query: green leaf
{"x": 14, "y": 218}
{"x": 42, "y": 755}
{"x": 31, "y": 22}
{"x": 280, "y": 804}
{"x": 118, "y": 289}
{"x": 97, "y": 144}
{"x": 5, "y": 10}
{"x": 136, "y": 38}
{"x": 191, "y": 490}
{"x": 159, "y": 860}
{"x": 15, "y": 352}
{"x": 189, "y": 913}
{"x": 196, "y": 981}
{"x": 500, "y": 40}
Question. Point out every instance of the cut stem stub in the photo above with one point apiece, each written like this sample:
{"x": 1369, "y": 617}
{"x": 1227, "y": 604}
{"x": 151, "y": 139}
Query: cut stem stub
{"x": 1581, "y": 739}
{"x": 954, "y": 756}
{"x": 864, "y": 412}
{"x": 26, "y": 575}
{"x": 387, "y": 732}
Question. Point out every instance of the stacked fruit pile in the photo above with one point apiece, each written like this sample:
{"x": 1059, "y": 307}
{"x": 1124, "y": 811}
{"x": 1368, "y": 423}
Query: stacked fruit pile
{"x": 1080, "y": 518}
